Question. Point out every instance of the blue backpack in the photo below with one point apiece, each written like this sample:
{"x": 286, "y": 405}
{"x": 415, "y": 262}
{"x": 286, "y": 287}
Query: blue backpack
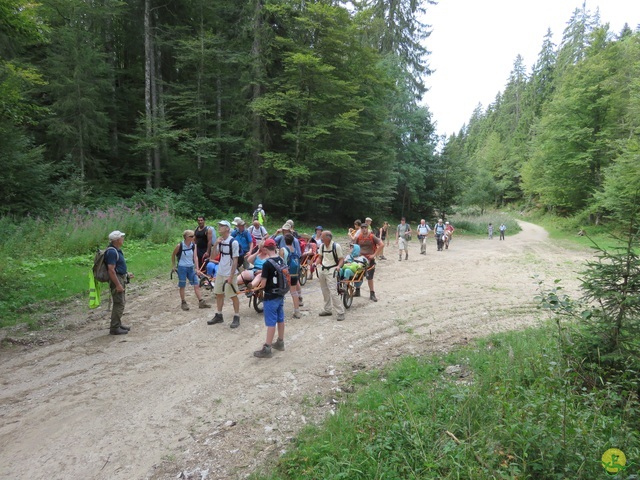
{"x": 293, "y": 262}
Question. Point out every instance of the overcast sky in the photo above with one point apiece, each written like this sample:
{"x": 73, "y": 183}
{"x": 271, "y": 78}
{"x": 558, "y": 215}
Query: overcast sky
{"x": 474, "y": 44}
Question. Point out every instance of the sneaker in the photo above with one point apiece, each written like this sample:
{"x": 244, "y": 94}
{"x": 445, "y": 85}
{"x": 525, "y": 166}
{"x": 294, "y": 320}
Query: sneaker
{"x": 372, "y": 296}
{"x": 236, "y": 321}
{"x": 340, "y": 318}
{"x": 264, "y": 353}
{"x": 325, "y": 314}
{"x": 300, "y": 303}
{"x": 297, "y": 315}
{"x": 203, "y": 304}
{"x": 185, "y": 305}
{"x": 382, "y": 257}
{"x": 217, "y": 318}
{"x": 356, "y": 293}
{"x": 406, "y": 257}
{"x": 278, "y": 345}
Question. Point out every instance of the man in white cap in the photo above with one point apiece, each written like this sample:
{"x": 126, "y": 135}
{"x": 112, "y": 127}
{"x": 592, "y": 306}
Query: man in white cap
{"x": 118, "y": 279}
{"x": 226, "y": 279}
{"x": 258, "y": 214}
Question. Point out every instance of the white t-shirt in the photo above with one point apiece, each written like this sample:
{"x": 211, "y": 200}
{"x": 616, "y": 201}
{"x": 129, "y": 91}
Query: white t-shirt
{"x": 229, "y": 249}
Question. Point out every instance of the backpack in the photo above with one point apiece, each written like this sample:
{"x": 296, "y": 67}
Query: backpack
{"x": 281, "y": 286}
{"x": 333, "y": 250}
{"x": 293, "y": 262}
{"x": 100, "y": 269}
{"x": 230, "y": 248}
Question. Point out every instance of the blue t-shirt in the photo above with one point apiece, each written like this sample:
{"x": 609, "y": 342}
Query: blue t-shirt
{"x": 282, "y": 244}
{"x": 114, "y": 256}
{"x": 245, "y": 240}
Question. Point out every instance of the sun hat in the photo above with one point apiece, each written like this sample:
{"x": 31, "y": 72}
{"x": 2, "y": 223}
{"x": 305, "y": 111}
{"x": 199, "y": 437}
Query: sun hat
{"x": 115, "y": 235}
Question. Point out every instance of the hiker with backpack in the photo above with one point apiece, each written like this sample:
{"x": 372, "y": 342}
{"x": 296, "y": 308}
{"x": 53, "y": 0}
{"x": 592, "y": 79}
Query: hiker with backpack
{"x": 292, "y": 260}
{"x": 226, "y": 282}
{"x": 259, "y": 215}
{"x": 329, "y": 263}
{"x": 275, "y": 285}
{"x": 205, "y": 237}
{"x": 187, "y": 264}
{"x": 369, "y": 246}
{"x": 403, "y": 235}
{"x": 245, "y": 241}
{"x": 118, "y": 279}
{"x": 280, "y": 242}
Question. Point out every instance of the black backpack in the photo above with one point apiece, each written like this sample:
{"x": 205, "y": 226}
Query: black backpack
{"x": 281, "y": 286}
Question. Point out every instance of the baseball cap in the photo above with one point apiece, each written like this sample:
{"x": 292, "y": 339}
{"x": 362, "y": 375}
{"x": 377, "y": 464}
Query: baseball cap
{"x": 319, "y": 227}
{"x": 368, "y": 219}
{"x": 270, "y": 242}
{"x": 225, "y": 223}
{"x": 115, "y": 235}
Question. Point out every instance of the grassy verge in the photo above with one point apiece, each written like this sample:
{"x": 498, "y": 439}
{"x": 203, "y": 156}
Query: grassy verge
{"x": 503, "y": 408}
{"x": 478, "y": 224}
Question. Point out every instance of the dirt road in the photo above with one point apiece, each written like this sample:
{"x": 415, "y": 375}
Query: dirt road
{"x": 177, "y": 398}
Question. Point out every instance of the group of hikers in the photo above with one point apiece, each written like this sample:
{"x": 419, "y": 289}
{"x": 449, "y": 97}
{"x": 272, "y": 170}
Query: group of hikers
{"x": 241, "y": 259}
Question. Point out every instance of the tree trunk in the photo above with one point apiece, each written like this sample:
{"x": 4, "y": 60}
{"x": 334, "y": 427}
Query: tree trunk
{"x": 257, "y": 126}
{"x": 148, "y": 59}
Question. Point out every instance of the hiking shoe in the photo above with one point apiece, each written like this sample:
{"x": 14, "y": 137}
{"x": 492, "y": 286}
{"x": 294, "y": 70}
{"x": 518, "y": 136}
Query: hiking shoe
{"x": 406, "y": 257}
{"x": 399, "y": 259}
{"x": 372, "y": 296}
{"x": 356, "y": 293}
{"x": 265, "y": 352}
{"x": 217, "y": 318}
{"x": 297, "y": 315}
{"x": 340, "y": 318}
{"x": 203, "y": 304}
{"x": 300, "y": 303}
{"x": 382, "y": 257}
{"x": 278, "y": 345}
{"x": 324, "y": 313}
{"x": 236, "y": 321}
{"x": 185, "y": 305}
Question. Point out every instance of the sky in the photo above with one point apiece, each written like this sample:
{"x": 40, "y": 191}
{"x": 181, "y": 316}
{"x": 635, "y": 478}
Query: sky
{"x": 474, "y": 44}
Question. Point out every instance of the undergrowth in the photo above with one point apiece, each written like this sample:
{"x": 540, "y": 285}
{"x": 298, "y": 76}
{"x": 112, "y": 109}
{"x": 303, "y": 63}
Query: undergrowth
{"x": 510, "y": 410}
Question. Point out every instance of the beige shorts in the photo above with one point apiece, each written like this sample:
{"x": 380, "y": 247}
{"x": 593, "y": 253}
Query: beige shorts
{"x": 226, "y": 285}
{"x": 402, "y": 243}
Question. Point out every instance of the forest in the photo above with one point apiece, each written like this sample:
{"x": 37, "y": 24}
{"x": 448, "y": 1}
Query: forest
{"x": 313, "y": 108}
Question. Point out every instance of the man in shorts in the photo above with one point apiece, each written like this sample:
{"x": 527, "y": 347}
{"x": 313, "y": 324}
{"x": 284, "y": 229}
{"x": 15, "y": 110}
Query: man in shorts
{"x": 273, "y": 303}
{"x": 369, "y": 245}
{"x": 226, "y": 280}
{"x": 402, "y": 232}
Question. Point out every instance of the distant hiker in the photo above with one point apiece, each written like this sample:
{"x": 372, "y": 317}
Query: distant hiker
{"x": 259, "y": 215}
{"x": 205, "y": 237}
{"x": 226, "y": 282}
{"x": 187, "y": 265}
{"x": 423, "y": 230}
{"x": 330, "y": 260}
{"x": 439, "y": 229}
{"x": 403, "y": 234}
{"x": 503, "y": 228}
{"x": 118, "y": 279}
{"x": 273, "y": 301}
{"x": 490, "y": 231}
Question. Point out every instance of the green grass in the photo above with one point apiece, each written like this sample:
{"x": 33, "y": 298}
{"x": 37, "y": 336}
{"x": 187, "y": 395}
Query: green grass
{"x": 478, "y": 224}
{"x": 514, "y": 414}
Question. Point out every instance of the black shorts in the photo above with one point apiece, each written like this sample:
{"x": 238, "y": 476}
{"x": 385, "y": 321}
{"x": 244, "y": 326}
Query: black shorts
{"x": 371, "y": 269}
{"x": 294, "y": 279}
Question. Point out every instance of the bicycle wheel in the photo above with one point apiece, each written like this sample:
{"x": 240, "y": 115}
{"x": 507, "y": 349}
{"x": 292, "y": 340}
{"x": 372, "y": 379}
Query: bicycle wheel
{"x": 347, "y": 295}
{"x": 257, "y": 302}
{"x": 302, "y": 275}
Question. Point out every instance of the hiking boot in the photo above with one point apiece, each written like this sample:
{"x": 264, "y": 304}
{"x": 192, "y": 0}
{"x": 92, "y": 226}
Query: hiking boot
{"x": 118, "y": 331}
{"x": 400, "y": 258}
{"x": 382, "y": 257}
{"x": 325, "y": 314}
{"x": 297, "y": 315}
{"x": 265, "y": 352}
{"x": 300, "y": 303}
{"x": 185, "y": 305}
{"x": 406, "y": 257}
{"x": 278, "y": 345}
{"x": 356, "y": 293}
{"x": 236, "y": 321}
{"x": 217, "y": 318}
{"x": 203, "y": 304}
{"x": 340, "y": 318}
{"x": 372, "y": 296}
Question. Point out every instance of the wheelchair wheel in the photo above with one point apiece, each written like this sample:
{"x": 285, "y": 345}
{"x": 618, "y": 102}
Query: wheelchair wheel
{"x": 302, "y": 275}
{"x": 257, "y": 302}
{"x": 347, "y": 295}
{"x": 206, "y": 283}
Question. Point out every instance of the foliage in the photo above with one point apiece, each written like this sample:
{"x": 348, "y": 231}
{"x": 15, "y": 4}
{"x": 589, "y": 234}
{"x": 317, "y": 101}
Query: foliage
{"x": 601, "y": 329}
{"x": 509, "y": 411}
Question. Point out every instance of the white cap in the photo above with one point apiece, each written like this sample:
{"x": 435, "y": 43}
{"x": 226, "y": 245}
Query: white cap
{"x": 115, "y": 235}
{"x": 225, "y": 223}
{"x": 259, "y": 205}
